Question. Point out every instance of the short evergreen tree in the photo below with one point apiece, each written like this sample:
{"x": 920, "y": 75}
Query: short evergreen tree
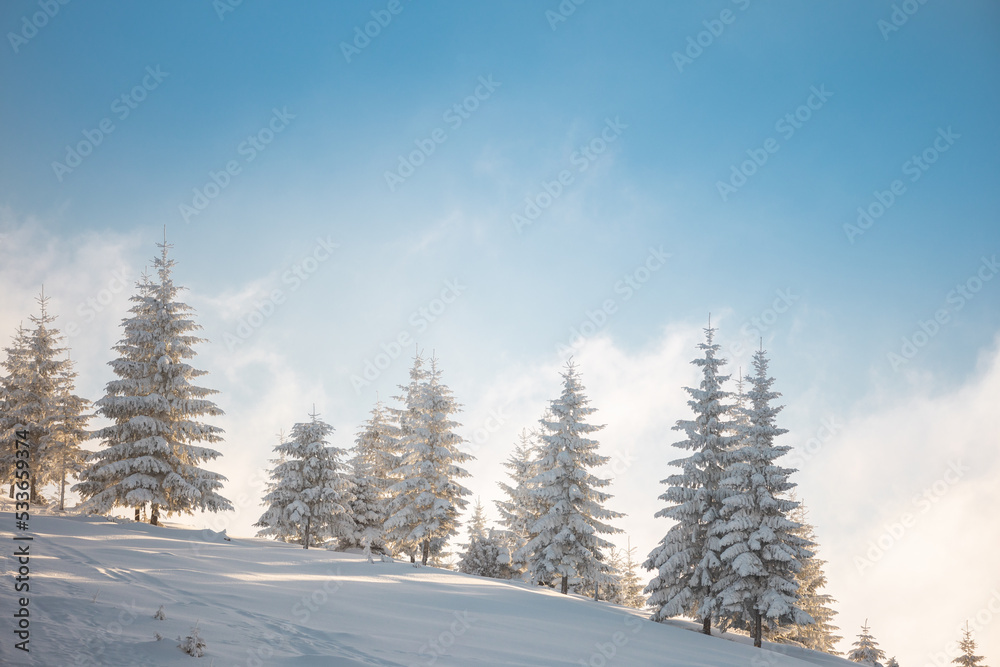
{"x": 149, "y": 452}
{"x": 519, "y": 511}
{"x": 487, "y": 555}
{"x": 374, "y": 457}
{"x": 687, "y": 562}
{"x": 309, "y": 494}
{"x": 626, "y": 588}
{"x": 566, "y": 540}
{"x": 477, "y": 523}
{"x": 892, "y": 663}
{"x": 820, "y": 635}
{"x": 427, "y": 498}
{"x": 866, "y": 650}
{"x": 968, "y": 648}
{"x": 761, "y": 551}
{"x": 38, "y": 396}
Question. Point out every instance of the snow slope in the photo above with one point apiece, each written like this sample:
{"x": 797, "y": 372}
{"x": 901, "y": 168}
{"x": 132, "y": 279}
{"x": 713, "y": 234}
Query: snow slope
{"x": 95, "y": 585}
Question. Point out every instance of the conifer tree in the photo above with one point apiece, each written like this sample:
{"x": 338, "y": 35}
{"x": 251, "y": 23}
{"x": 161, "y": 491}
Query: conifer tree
{"x": 487, "y": 555}
{"x": 761, "y": 552}
{"x": 309, "y": 493}
{"x": 968, "y": 648}
{"x": 819, "y": 635}
{"x": 627, "y": 588}
{"x": 892, "y": 662}
{"x": 566, "y": 540}
{"x": 374, "y": 457}
{"x": 477, "y": 523}
{"x": 519, "y": 512}
{"x": 427, "y": 498}
{"x": 866, "y": 650}
{"x": 687, "y": 561}
{"x": 150, "y": 452}
{"x": 39, "y": 397}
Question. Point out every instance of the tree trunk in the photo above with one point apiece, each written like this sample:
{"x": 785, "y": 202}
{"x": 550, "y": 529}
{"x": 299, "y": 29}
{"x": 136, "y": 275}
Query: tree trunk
{"x": 305, "y": 542}
{"x": 756, "y": 628}
{"x": 154, "y": 514}
{"x": 138, "y": 516}
{"x": 565, "y": 584}
{"x": 413, "y": 558}
{"x": 706, "y": 625}
{"x": 597, "y": 592}
{"x": 426, "y": 551}
{"x": 62, "y": 491}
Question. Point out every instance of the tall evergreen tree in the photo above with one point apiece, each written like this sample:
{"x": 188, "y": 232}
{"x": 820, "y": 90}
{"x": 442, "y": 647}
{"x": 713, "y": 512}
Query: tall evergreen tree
{"x": 427, "y": 498}
{"x": 519, "y": 511}
{"x": 38, "y": 395}
{"x": 373, "y": 460}
{"x": 968, "y": 648}
{"x": 688, "y": 560}
{"x": 820, "y": 635}
{"x": 761, "y": 551}
{"x": 866, "y": 650}
{"x": 150, "y": 453}
{"x": 566, "y": 540}
{"x": 309, "y": 495}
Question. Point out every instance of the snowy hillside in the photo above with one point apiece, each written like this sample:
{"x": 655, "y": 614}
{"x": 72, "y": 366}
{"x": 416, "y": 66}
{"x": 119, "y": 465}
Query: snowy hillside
{"x": 96, "y": 584}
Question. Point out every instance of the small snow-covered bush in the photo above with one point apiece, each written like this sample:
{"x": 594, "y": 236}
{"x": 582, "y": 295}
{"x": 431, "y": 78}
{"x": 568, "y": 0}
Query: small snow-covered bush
{"x": 160, "y": 615}
{"x": 193, "y": 644}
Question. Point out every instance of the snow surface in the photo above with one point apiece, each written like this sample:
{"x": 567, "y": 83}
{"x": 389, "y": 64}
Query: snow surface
{"x": 96, "y": 584}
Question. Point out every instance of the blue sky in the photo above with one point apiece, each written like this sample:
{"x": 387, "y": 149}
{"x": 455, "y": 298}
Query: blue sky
{"x": 674, "y": 131}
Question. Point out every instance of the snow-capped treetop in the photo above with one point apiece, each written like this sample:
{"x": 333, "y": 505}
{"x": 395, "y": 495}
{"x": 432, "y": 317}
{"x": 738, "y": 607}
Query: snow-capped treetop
{"x": 866, "y": 650}
{"x": 968, "y": 648}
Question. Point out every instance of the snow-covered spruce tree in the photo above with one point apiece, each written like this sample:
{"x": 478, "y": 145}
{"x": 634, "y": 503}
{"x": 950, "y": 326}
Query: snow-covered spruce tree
{"x": 427, "y": 498}
{"x": 519, "y": 511}
{"x": 892, "y": 662}
{"x": 820, "y": 635}
{"x": 39, "y": 396}
{"x": 687, "y": 560}
{"x": 761, "y": 552}
{"x": 565, "y": 541}
{"x": 150, "y": 452}
{"x": 968, "y": 648}
{"x": 374, "y": 457}
{"x": 309, "y": 493}
{"x": 477, "y": 522}
{"x": 627, "y": 588}
{"x": 866, "y": 650}
{"x": 487, "y": 555}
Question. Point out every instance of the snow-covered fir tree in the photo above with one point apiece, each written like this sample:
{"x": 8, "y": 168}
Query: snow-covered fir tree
{"x": 427, "y": 499}
{"x": 477, "y": 522}
{"x": 374, "y": 457}
{"x": 487, "y": 555}
{"x": 866, "y": 650}
{"x": 626, "y": 588}
{"x": 820, "y": 635}
{"x": 519, "y": 511}
{"x": 38, "y": 395}
{"x": 150, "y": 453}
{"x": 968, "y": 648}
{"x": 309, "y": 493}
{"x": 566, "y": 538}
{"x": 687, "y": 562}
{"x": 892, "y": 662}
{"x": 761, "y": 552}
